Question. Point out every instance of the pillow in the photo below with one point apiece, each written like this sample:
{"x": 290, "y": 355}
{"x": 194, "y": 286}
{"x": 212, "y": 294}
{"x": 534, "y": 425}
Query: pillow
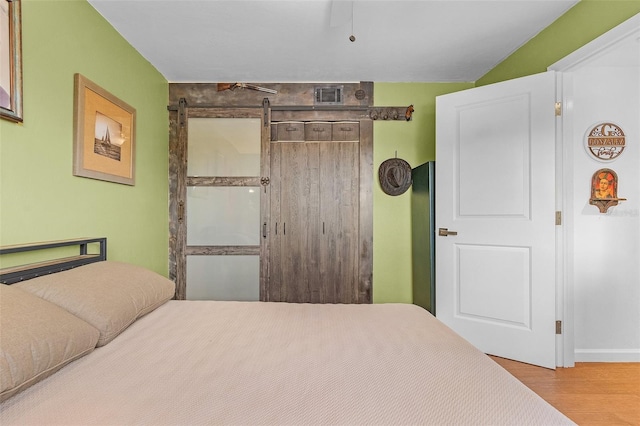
{"x": 108, "y": 295}
{"x": 38, "y": 338}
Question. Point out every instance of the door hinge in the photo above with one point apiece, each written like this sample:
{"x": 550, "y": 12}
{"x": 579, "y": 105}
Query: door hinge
{"x": 558, "y": 218}
{"x": 558, "y": 327}
{"x": 182, "y": 114}
{"x": 265, "y": 112}
{"x": 558, "y": 109}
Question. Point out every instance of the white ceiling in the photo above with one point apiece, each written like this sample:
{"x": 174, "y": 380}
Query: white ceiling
{"x": 308, "y": 40}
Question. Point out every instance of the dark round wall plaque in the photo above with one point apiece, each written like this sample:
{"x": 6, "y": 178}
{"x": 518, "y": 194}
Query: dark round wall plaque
{"x": 395, "y": 176}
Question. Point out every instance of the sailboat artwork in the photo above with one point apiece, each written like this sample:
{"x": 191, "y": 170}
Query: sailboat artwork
{"x": 108, "y": 137}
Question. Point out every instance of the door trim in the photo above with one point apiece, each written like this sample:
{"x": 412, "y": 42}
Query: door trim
{"x": 565, "y": 356}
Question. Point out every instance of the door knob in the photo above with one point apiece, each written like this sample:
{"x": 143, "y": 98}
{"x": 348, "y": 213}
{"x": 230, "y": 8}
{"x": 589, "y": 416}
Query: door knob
{"x": 444, "y": 232}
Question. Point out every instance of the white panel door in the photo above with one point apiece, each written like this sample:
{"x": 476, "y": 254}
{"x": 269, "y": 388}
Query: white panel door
{"x": 495, "y": 186}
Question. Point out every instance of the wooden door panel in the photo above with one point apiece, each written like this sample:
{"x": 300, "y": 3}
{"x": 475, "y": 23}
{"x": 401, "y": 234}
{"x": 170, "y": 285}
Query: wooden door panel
{"x": 315, "y": 222}
{"x": 273, "y": 288}
{"x": 294, "y": 187}
{"x": 339, "y": 212}
{"x": 313, "y": 282}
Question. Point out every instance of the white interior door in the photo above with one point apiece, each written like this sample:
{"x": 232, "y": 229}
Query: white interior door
{"x": 495, "y": 186}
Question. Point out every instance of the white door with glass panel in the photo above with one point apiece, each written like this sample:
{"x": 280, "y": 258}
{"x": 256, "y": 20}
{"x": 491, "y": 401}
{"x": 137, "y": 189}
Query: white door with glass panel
{"x": 223, "y": 202}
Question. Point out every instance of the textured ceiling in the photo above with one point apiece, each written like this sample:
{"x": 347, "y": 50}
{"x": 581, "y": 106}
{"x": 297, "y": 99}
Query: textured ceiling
{"x": 308, "y": 40}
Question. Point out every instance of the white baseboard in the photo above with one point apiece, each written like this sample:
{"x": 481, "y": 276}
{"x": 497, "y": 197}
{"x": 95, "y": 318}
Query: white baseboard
{"x": 607, "y": 355}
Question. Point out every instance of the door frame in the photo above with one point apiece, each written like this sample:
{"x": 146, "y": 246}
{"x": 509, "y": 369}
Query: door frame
{"x": 565, "y": 342}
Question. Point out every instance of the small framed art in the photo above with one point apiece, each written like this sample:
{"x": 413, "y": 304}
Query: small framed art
{"x": 604, "y": 190}
{"x": 104, "y": 134}
{"x": 10, "y": 60}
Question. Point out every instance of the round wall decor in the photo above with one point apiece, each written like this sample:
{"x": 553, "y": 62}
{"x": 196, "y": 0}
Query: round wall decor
{"x": 605, "y": 141}
{"x": 395, "y": 176}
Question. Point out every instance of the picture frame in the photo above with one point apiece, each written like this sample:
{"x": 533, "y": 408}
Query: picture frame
{"x": 11, "y": 60}
{"x": 104, "y": 134}
{"x": 604, "y": 190}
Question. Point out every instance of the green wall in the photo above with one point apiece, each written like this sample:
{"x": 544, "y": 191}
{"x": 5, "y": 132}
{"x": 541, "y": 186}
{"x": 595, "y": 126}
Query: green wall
{"x": 579, "y": 25}
{"x": 40, "y": 199}
{"x": 414, "y": 142}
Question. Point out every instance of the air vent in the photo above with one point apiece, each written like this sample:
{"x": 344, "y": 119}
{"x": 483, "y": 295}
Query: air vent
{"x": 329, "y": 95}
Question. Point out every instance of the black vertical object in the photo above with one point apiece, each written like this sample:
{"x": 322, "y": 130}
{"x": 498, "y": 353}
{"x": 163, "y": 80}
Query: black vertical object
{"x": 423, "y": 236}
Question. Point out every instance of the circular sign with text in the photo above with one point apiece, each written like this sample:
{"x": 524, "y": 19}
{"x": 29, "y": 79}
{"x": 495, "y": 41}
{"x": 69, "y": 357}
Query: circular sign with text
{"x": 605, "y": 141}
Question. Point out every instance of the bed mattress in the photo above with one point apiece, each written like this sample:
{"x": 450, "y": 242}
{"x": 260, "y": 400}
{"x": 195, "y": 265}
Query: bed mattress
{"x": 256, "y": 363}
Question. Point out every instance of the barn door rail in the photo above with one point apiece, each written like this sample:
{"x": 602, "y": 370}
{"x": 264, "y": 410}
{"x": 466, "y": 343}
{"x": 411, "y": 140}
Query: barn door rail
{"x": 373, "y": 112}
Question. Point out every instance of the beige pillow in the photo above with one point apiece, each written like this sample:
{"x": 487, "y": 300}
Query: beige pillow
{"x": 108, "y": 295}
{"x": 37, "y": 338}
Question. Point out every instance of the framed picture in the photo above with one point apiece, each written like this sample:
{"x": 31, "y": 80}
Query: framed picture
{"x": 604, "y": 190}
{"x": 10, "y": 60}
{"x": 104, "y": 134}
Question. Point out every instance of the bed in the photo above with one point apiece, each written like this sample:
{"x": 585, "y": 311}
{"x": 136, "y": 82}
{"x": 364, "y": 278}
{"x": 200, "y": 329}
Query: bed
{"x": 105, "y": 344}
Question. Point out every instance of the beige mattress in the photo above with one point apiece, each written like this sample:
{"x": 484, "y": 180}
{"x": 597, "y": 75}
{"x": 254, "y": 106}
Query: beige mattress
{"x": 245, "y": 363}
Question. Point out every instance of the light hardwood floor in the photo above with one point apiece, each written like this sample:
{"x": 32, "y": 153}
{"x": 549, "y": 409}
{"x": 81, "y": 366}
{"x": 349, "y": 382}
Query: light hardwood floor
{"x": 591, "y": 393}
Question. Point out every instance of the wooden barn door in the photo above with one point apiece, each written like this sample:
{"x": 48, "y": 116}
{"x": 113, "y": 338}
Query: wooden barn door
{"x": 338, "y": 222}
{"x": 226, "y": 241}
{"x": 219, "y": 202}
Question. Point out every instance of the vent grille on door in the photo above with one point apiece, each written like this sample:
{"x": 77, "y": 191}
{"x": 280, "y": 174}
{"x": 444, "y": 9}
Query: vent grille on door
{"x": 329, "y": 95}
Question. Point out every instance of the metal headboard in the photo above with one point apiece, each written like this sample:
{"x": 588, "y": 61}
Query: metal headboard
{"x": 14, "y": 274}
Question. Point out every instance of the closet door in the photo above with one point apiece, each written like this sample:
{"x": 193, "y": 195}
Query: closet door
{"x": 339, "y": 191}
{"x": 314, "y": 229}
{"x": 294, "y": 216}
{"x": 291, "y": 219}
{"x": 275, "y": 289}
